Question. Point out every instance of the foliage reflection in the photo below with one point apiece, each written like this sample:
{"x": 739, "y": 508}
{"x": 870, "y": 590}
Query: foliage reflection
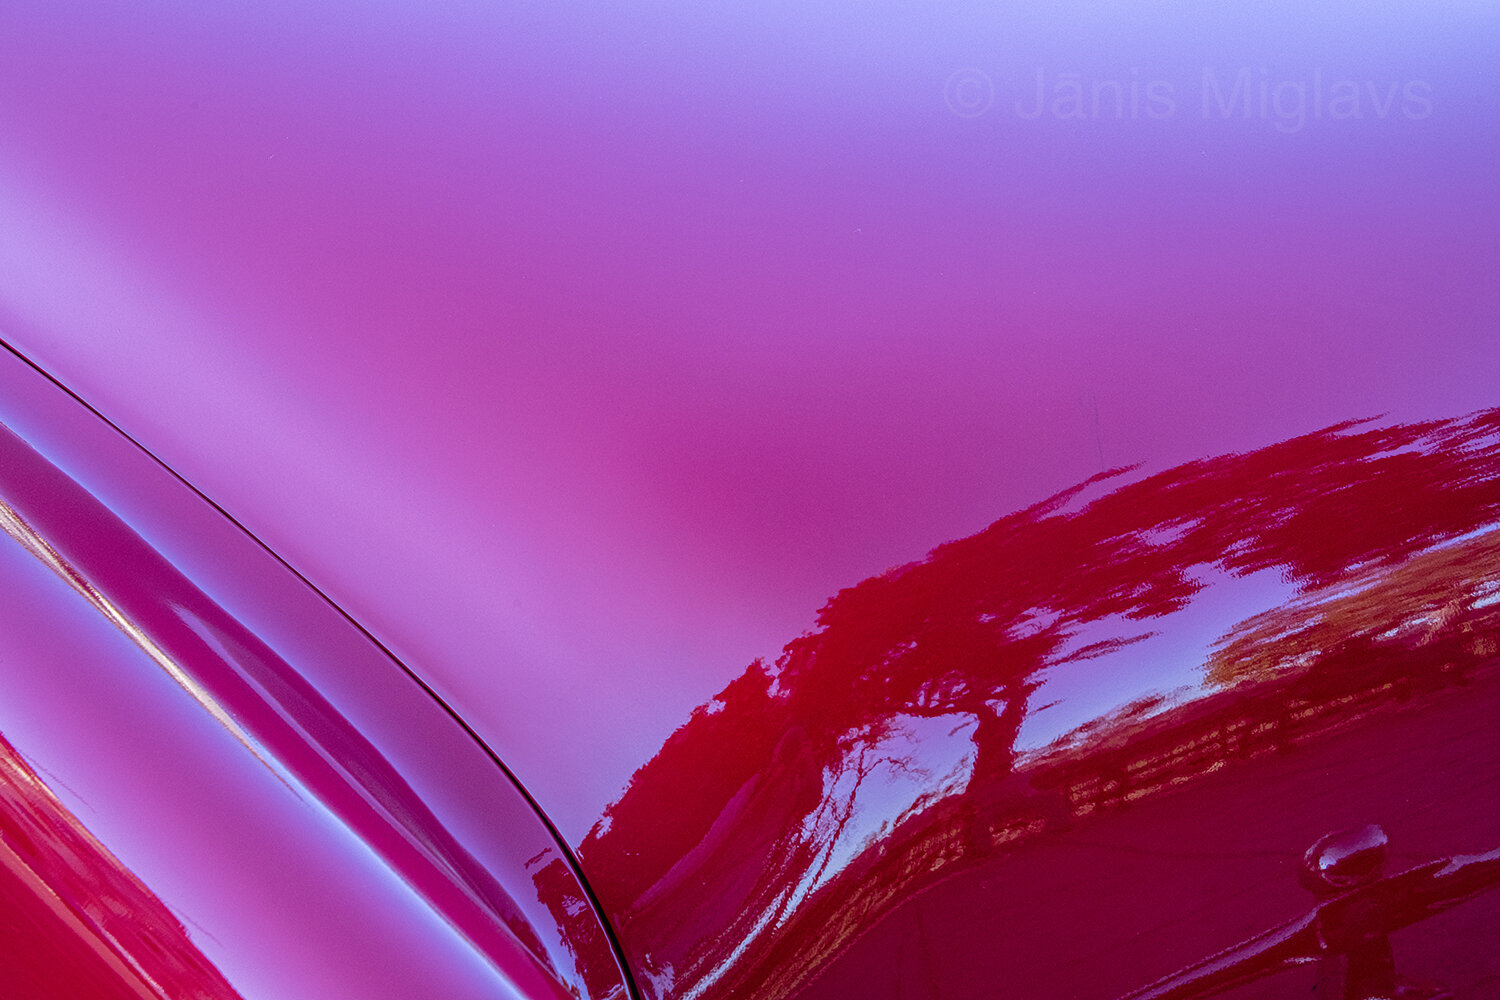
{"x": 728, "y": 861}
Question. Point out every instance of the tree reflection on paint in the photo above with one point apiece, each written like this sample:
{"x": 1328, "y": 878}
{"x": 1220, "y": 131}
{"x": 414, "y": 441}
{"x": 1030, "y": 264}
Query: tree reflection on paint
{"x": 719, "y": 860}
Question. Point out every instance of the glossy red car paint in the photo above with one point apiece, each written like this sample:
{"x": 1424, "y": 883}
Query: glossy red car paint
{"x": 582, "y": 356}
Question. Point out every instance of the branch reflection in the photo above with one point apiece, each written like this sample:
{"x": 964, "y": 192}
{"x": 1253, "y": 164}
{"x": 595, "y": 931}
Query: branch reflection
{"x": 732, "y": 862}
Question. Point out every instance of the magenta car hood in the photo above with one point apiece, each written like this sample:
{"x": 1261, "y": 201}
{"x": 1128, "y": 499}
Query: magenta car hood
{"x": 582, "y": 353}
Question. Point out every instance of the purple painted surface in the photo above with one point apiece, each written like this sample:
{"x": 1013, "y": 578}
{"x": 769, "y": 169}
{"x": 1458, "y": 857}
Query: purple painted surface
{"x": 211, "y": 732}
{"x": 659, "y": 326}
{"x": 582, "y": 353}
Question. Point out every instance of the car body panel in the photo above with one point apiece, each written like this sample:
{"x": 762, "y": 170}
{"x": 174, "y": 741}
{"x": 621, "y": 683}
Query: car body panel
{"x": 219, "y": 748}
{"x": 582, "y": 356}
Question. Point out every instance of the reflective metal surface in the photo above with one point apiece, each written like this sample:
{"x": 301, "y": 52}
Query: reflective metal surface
{"x": 1352, "y": 923}
{"x": 583, "y": 352}
{"x": 810, "y": 819}
{"x": 78, "y": 922}
{"x": 1345, "y": 859}
{"x": 259, "y": 800}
